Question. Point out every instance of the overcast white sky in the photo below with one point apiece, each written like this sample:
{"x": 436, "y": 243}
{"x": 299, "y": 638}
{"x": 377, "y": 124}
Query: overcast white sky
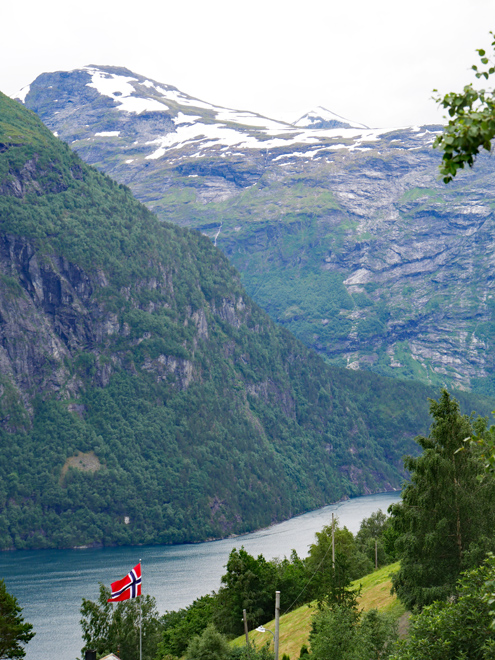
{"x": 372, "y": 61}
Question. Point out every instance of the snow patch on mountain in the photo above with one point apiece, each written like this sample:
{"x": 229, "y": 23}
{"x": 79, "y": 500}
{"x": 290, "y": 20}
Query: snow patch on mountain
{"x": 126, "y": 92}
{"x": 120, "y": 89}
{"x": 110, "y": 84}
{"x": 246, "y": 118}
{"x": 185, "y": 119}
{"x": 207, "y": 135}
{"x": 22, "y": 93}
{"x": 107, "y": 134}
{"x": 322, "y": 118}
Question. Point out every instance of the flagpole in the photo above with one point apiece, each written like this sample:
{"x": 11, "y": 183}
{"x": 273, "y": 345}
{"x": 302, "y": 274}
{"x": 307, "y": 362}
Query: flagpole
{"x": 140, "y": 621}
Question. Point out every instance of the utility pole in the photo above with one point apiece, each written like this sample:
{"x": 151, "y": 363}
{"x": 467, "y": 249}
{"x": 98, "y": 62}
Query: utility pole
{"x": 333, "y": 542}
{"x": 140, "y": 598}
{"x": 244, "y": 617}
{"x": 277, "y": 622}
{"x": 376, "y": 554}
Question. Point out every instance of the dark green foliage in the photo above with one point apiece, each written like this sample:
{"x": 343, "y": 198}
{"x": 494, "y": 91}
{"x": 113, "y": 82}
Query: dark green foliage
{"x": 460, "y": 628}
{"x": 337, "y": 585}
{"x": 211, "y": 645}
{"x": 446, "y": 519}
{"x": 249, "y": 583}
{"x": 378, "y": 634}
{"x": 114, "y": 627}
{"x": 251, "y": 652}
{"x": 181, "y": 626}
{"x": 292, "y": 581}
{"x": 471, "y": 126}
{"x": 331, "y": 584}
{"x": 15, "y": 633}
{"x": 375, "y": 530}
{"x": 343, "y": 633}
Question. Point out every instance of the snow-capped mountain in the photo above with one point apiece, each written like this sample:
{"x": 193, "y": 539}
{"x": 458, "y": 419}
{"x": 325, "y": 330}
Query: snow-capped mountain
{"x": 344, "y": 234}
{"x": 151, "y": 120}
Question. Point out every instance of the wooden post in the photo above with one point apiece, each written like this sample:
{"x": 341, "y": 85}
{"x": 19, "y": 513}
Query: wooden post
{"x": 376, "y": 554}
{"x": 244, "y": 616}
{"x": 333, "y": 542}
{"x": 140, "y": 598}
{"x": 277, "y": 622}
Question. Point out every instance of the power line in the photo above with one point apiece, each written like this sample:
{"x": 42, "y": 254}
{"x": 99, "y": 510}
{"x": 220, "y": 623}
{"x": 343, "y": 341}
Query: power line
{"x": 314, "y": 573}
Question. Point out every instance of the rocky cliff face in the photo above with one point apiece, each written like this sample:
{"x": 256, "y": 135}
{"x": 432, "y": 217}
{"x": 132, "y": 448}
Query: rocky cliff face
{"x": 48, "y": 317}
{"x": 344, "y": 234}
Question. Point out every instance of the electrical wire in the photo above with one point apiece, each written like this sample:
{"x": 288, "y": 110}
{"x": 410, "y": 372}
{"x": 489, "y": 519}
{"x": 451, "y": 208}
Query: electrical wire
{"x": 314, "y": 573}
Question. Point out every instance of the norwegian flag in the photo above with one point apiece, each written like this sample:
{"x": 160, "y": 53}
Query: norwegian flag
{"x": 128, "y": 587}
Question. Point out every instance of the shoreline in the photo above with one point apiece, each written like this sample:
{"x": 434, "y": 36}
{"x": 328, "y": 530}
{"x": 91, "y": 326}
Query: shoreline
{"x": 99, "y": 546}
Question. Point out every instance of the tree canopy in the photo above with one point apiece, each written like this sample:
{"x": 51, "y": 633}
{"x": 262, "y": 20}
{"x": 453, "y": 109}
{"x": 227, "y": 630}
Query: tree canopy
{"x": 471, "y": 127}
{"x": 114, "y": 628}
{"x": 343, "y": 633}
{"x": 331, "y": 581}
{"x": 211, "y": 645}
{"x": 445, "y": 521}
{"x": 374, "y": 530}
{"x": 461, "y": 628}
{"x": 14, "y": 631}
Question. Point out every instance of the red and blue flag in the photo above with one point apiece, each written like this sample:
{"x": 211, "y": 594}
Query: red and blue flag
{"x": 128, "y": 587}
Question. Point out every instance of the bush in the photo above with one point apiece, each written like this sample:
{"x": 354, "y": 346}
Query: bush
{"x": 211, "y": 645}
{"x": 343, "y": 633}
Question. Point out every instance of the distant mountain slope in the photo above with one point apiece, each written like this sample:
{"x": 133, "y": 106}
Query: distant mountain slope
{"x": 144, "y": 398}
{"x": 345, "y": 235}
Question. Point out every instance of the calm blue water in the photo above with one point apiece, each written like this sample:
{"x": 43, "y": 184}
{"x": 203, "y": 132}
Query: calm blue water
{"x": 50, "y": 584}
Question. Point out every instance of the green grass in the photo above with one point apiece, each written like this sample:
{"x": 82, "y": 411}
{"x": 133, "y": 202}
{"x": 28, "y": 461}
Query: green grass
{"x": 376, "y": 589}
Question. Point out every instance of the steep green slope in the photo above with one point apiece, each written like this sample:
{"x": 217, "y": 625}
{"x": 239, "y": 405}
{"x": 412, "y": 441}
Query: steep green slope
{"x": 144, "y": 398}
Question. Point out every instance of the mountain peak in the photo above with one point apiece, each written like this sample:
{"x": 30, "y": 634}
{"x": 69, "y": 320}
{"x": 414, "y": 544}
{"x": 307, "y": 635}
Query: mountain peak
{"x": 321, "y": 117}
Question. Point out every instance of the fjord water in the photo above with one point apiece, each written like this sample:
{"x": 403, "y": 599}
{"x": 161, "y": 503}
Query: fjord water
{"x": 50, "y": 584}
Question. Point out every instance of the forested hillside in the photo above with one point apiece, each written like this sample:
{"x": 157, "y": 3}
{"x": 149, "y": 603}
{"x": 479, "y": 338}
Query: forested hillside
{"x": 144, "y": 398}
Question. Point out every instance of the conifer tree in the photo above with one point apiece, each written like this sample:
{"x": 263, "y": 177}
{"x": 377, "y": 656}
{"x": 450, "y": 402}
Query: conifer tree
{"x": 445, "y": 522}
{"x": 14, "y": 632}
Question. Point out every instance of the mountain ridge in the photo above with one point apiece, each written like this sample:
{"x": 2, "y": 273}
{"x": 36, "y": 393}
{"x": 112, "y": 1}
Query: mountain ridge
{"x": 315, "y": 118}
{"x": 321, "y": 117}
